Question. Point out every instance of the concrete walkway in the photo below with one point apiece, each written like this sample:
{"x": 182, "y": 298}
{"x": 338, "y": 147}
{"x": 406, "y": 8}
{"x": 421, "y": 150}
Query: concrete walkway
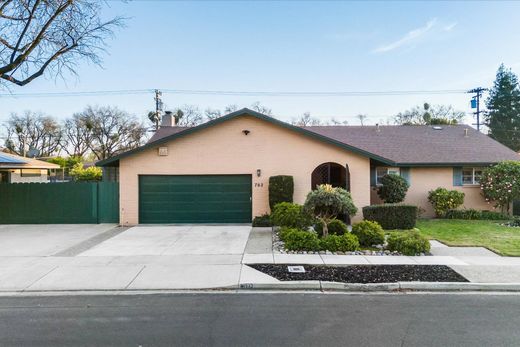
{"x": 202, "y": 257}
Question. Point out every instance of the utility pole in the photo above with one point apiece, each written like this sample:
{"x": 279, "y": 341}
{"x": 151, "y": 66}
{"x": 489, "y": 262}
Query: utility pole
{"x": 475, "y": 103}
{"x": 158, "y": 107}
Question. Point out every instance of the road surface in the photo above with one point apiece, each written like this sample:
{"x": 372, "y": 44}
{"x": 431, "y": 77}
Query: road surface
{"x": 261, "y": 320}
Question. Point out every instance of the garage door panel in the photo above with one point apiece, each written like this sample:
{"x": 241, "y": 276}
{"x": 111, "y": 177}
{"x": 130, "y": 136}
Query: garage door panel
{"x": 195, "y": 199}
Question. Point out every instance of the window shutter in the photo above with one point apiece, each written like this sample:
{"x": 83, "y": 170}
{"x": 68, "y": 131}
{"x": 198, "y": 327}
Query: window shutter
{"x": 372, "y": 176}
{"x": 405, "y": 173}
{"x": 457, "y": 176}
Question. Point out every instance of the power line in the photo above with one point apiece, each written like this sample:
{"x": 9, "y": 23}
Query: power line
{"x": 233, "y": 93}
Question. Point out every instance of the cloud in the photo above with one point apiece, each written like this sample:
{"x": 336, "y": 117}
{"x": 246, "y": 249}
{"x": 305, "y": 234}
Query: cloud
{"x": 450, "y": 27}
{"x": 410, "y": 36}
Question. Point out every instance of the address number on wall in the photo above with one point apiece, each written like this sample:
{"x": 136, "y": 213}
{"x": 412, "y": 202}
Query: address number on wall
{"x": 259, "y": 185}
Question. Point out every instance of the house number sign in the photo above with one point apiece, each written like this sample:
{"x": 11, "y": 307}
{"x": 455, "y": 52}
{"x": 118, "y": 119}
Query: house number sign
{"x": 259, "y": 184}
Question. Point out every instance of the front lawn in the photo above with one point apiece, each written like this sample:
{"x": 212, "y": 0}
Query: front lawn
{"x": 485, "y": 233}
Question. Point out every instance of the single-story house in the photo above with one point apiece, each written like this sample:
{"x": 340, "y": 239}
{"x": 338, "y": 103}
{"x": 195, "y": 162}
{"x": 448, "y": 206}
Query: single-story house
{"x": 16, "y": 169}
{"x": 219, "y": 171}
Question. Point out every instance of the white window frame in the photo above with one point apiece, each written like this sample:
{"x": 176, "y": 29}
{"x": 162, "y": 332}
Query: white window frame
{"x": 474, "y": 181}
{"x": 389, "y": 170}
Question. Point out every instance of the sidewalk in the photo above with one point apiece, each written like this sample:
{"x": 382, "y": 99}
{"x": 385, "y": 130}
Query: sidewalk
{"x": 87, "y": 271}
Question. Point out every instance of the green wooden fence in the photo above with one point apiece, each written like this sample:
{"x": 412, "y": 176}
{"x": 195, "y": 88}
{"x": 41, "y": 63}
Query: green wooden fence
{"x": 59, "y": 203}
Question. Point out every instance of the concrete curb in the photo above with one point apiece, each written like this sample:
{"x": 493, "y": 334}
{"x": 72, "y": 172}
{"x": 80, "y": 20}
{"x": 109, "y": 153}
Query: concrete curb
{"x": 384, "y": 287}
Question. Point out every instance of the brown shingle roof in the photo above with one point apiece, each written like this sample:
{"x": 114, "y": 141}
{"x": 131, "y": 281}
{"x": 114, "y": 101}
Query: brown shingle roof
{"x": 411, "y": 144}
{"x": 421, "y": 144}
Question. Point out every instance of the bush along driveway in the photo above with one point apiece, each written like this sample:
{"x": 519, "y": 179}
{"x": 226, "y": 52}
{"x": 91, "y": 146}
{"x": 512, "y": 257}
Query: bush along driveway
{"x": 494, "y": 235}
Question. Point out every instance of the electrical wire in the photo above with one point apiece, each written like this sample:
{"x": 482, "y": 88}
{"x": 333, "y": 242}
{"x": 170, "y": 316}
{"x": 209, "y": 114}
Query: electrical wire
{"x": 233, "y": 93}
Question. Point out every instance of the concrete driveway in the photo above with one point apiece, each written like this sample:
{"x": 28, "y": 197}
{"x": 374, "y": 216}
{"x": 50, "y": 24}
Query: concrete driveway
{"x": 26, "y": 240}
{"x": 175, "y": 240}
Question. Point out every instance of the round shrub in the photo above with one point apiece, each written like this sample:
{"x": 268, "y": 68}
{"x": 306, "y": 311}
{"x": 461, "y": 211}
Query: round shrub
{"x": 369, "y": 233}
{"x": 336, "y": 227}
{"x": 262, "y": 221}
{"x": 327, "y": 202}
{"x": 299, "y": 240}
{"x": 339, "y": 243}
{"x": 392, "y": 216}
{"x": 443, "y": 200}
{"x": 286, "y": 214}
{"x": 281, "y": 189}
{"x": 408, "y": 242}
{"x": 500, "y": 184}
{"x": 393, "y": 188}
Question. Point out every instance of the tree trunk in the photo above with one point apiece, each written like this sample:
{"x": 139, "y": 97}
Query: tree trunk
{"x": 325, "y": 228}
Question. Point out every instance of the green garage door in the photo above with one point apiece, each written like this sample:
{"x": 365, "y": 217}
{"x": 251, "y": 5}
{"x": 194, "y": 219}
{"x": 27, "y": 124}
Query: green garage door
{"x": 195, "y": 199}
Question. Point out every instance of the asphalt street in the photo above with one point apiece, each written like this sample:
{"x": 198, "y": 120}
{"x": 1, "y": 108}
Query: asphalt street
{"x": 203, "y": 319}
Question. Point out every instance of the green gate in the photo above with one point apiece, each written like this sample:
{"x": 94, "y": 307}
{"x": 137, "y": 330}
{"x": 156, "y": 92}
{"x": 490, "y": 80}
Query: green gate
{"x": 59, "y": 203}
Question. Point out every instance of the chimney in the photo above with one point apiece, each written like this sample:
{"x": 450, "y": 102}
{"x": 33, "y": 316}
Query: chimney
{"x": 168, "y": 120}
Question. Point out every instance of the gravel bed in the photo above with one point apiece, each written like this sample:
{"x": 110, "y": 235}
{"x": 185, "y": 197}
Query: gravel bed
{"x": 363, "y": 273}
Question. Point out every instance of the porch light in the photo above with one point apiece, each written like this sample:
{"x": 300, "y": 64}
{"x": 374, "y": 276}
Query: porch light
{"x": 258, "y": 172}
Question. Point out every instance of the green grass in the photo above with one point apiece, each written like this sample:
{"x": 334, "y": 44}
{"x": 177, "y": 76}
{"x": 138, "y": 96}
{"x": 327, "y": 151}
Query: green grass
{"x": 486, "y": 233}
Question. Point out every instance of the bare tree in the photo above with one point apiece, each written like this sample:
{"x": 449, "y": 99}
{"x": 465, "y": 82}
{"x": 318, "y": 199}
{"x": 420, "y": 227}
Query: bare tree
{"x": 427, "y": 114}
{"x": 77, "y": 135}
{"x": 258, "y": 107}
{"x": 212, "y": 113}
{"x": 335, "y": 121}
{"x": 50, "y": 35}
{"x": 230, "y": 108}
{"x": 306, "y": 120}
{"x": 113, "y": 131}
{"x": 32, "y": 130}
{"x": 188, "y": 115}
{"x": 362, "y": 118}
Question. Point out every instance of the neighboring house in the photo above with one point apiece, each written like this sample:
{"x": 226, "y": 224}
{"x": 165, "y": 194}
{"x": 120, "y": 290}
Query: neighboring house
{"x": 16, "y": 169}
{"x": 219, "y": 171}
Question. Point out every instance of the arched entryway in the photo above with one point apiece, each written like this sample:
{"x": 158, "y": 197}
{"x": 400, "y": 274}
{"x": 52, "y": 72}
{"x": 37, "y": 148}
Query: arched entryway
{"x": 331, "y": 173}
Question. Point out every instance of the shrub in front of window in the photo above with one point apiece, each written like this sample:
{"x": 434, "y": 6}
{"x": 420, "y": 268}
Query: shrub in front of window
{"x": 408, "y": 242}
{"x": 299, "y": 240}
{"x": 443, "y": 200}
{"x": 369, "y": 233}
{"x": 286, "y": 214}
{"x": 325, "y": 203}
{"x": 281, "y": 189}
{"x": 262, "y": 221}
{"x": 472, "y": 214}
{"x": 393, "y": 188}
{"x": 339, "y": 243}
{"x": 392, "y": 216}
{"x": 500, "y": 184}
{"x": 335, "y": 226}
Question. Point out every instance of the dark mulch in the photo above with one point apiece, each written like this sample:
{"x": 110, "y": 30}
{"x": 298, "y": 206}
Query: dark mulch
{"x": 363, "y": 273}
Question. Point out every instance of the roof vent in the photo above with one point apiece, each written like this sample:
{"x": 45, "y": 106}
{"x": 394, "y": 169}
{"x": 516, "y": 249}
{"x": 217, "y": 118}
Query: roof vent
{"x": 436, "y": 127}
{"x": 465, "y": 132}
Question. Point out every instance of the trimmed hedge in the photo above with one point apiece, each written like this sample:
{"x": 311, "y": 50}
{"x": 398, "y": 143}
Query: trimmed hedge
{"x": 281, "y": 189}
{"x": 336, "y": 243}
{"x": 408, "y": 242}
{"x": 369, "y": 233}
{"x": 287, "y": 214}
{"x": 472, "y": 214}
{"x": 301, "y": 240}
{"x": 262, "y": 221}
{"x": 392, "y": 216}
{"x": 336, "y": 227}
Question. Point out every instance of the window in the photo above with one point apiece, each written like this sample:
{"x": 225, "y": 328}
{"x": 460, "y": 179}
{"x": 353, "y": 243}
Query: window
{"x": 31, "y": 172}
{"x": 381, "y": 171}
{"x": 471, "y": 175}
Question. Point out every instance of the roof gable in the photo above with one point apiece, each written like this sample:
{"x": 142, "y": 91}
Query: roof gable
{"x": 240, "y": 113}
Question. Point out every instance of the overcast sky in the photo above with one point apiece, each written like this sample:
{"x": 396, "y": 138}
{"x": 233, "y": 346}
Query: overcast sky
{"x": 293, "y": 46}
